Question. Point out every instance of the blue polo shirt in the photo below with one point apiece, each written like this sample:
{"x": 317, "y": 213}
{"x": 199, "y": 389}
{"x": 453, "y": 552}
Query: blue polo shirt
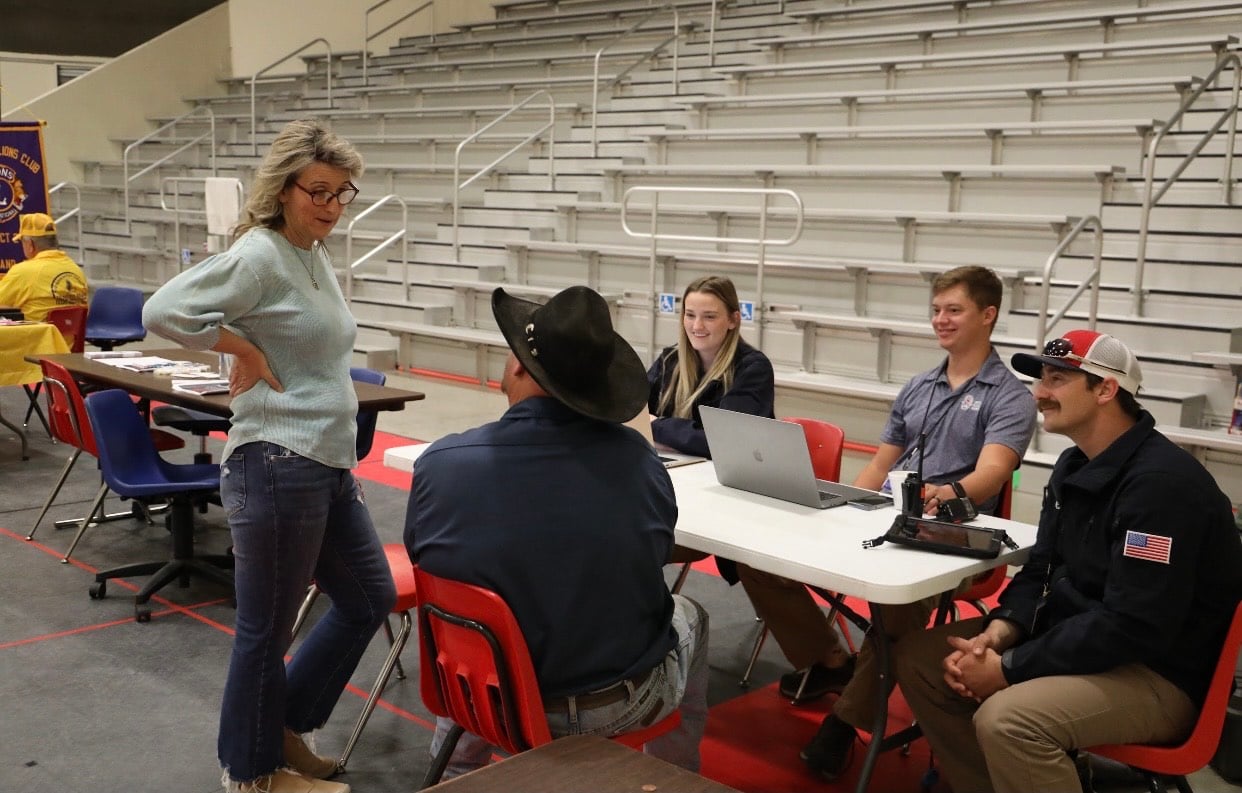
{"x": 570, "y": 520}
{"x": 992, "y": 407}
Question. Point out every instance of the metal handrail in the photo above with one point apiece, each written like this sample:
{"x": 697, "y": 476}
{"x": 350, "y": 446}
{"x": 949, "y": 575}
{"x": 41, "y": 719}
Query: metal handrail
{"x": 254, "y": 142}
{"x": 674, "y": 38}
{"x": 1230, "y": 114}
{"x": 366, "y": 37}
{"x": 711, "y": 39}
{"x": 1044, "y": 322}
{"x": 397, "y": 235}
{"x": 762, "y": 241}
{"x": 211, "y": 135}
{"x": 177, "y": 209}
{"x": 458, "y": 185}
{"x": 76, "y": 213}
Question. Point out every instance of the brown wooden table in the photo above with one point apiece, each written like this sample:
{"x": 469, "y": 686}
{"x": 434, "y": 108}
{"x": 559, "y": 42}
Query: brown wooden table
{"x": 150, "y": 386}
{"x": 581, "y": 763}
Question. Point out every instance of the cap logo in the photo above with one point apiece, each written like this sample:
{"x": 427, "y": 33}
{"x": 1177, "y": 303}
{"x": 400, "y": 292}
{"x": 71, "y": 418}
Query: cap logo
{"x": 1058, "y": 348}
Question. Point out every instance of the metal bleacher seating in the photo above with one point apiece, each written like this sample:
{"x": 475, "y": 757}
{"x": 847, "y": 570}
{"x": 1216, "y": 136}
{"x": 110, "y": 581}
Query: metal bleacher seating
{"x": 919, "y": 135}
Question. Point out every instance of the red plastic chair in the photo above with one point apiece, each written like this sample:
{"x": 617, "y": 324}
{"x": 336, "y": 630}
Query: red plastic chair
{"x": 1195, "y": 752}
{"x": 403, "y": 577}
{"x": 71, "y": 322}
{"x": 69, "y": 424}
{"x": 825, "y": 442}
{"x": 476, "y": 669}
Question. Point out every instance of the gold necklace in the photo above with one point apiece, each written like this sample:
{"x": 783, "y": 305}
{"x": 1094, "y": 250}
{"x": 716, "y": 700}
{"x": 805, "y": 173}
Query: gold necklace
{"x": 308, "y": 267}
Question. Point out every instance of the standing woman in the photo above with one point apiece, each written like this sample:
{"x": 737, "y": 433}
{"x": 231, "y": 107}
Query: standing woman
{"x": 710, "y": 365}
{"x": 295, "y": 511}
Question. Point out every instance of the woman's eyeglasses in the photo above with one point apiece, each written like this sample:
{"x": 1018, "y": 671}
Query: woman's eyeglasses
{"x": 320, "y": 198}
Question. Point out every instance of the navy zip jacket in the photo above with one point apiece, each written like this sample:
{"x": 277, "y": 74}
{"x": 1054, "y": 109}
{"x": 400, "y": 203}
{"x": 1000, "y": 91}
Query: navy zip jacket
{"x": 1102, "y": 589}
{"x": 753, "y": 391}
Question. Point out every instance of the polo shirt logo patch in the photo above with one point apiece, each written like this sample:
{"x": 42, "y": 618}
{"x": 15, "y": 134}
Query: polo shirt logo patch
{"x": 970, "y": 403}
{"x": 1152, "y": 547}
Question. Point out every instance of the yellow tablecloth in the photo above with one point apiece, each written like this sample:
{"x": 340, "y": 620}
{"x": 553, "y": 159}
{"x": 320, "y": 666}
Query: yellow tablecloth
{"x": 18, "y": 341}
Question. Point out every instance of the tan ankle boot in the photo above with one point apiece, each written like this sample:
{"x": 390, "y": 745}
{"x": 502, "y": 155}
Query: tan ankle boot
{"x": 302, "y": 758}
{"x": 286, "y": 780}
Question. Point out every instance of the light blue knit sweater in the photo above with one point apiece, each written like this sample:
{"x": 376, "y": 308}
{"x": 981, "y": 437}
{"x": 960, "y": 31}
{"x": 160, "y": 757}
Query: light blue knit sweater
{"x": 260, "y": 289}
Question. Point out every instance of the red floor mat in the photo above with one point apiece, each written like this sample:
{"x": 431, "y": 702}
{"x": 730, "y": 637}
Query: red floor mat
{"x": 752, "y": 744}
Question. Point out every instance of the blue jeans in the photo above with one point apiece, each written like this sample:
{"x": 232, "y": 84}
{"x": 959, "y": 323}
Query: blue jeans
{"x": 293, "y": 519}
{"x": 680, "y": 682}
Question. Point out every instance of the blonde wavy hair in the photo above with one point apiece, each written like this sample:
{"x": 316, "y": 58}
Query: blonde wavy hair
{"x": 686, "y": 383}
{"x": 298, "y": 145}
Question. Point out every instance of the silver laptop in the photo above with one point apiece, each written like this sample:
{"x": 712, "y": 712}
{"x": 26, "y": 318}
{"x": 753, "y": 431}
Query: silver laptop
{"x": 642, "y": 424}
{"x": 769, "y": 457}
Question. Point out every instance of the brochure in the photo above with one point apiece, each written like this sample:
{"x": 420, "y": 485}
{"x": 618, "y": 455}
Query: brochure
{"x": 143, "y": 363}
{"x": 96, "y": 355}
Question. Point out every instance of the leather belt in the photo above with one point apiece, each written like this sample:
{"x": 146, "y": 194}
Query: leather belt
{"x": 617, "y": 692}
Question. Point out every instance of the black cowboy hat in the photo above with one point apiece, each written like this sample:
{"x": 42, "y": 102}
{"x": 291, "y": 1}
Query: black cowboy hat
{"x": 569, "y": 347}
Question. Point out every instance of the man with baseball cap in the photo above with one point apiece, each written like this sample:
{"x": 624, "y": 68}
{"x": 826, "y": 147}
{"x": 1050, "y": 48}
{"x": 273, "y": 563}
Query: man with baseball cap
{"x": 568, "y": 515}
{"x": 47, "y": 278}
{"x": 1111, "y": 630}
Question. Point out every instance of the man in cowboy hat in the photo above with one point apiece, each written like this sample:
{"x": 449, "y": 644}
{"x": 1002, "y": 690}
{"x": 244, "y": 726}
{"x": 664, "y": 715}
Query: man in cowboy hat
{"x": 569, "y": 516}
{"x": 47, "y": 278}
{"x": 1112, "y": 629}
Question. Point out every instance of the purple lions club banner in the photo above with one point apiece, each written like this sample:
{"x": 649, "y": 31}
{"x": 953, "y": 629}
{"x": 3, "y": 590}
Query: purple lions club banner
{"x": 23, "y": 185}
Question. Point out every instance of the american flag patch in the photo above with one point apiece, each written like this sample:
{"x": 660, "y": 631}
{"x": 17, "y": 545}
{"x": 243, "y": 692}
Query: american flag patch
{"x": 1147, "y": 546}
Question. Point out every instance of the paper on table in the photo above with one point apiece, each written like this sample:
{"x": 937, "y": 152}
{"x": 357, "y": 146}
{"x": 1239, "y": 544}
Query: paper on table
{"x": 201, "y": 387}
{"x": 96, "y": 355}
{"x": 143, "y": 363}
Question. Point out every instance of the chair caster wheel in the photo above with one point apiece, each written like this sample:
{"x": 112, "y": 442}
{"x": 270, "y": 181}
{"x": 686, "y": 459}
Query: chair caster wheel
{"x": 99, "y": 590}
{"x": 142, "y": 614}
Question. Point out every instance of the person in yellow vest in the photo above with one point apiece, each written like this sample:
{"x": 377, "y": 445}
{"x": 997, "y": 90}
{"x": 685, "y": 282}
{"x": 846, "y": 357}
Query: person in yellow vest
{"x": 48, "y": 278}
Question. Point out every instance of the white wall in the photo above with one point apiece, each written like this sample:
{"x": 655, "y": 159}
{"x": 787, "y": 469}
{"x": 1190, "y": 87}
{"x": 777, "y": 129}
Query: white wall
{"x": 86, "y": 115}
{"x": 263, "y": 30}
{"x": 24, "y": 76}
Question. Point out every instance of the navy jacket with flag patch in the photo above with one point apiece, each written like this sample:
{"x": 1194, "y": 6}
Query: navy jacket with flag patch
{"x": 1089, "y": 601}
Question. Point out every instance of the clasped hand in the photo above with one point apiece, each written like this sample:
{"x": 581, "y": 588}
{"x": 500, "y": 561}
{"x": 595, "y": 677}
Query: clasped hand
{"x": 973, "y": 669}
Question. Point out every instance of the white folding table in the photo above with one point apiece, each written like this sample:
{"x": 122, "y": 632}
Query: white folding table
{"x": 824, "y": 549}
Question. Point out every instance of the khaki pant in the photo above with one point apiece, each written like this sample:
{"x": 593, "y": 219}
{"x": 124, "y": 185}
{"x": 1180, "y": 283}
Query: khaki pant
{"x": 805, "y": 636}
{"x": 798, "y": 624}
{"x": 1017, "y": 739}
{"x": 856, "y": 706}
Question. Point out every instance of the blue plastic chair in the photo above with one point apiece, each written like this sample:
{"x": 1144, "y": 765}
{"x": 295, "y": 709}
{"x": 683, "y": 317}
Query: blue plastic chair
{"x": 132, "y": 468}
{"x": 115, "y": 317}
{"x": 366, "y": 418}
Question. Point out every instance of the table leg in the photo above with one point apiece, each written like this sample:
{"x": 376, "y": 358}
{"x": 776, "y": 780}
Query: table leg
{"x": 20, "y": 434}
{"x": 879, "y": 722}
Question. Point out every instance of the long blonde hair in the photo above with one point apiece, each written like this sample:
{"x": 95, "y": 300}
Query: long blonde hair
{"x": 298, "y": 145}
{"x": 686, "y": 384}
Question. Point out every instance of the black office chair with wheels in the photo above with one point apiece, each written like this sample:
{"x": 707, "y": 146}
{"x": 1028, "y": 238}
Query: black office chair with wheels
{"x": 195, "y": 422}
{"x": 132, "y": 468}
